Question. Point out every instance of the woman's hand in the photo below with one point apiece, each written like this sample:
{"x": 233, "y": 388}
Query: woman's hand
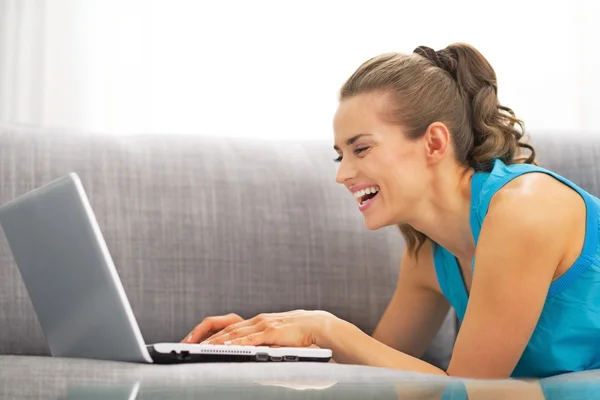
{"x": 290, "y": 329}
{"x": 210, "y": 326}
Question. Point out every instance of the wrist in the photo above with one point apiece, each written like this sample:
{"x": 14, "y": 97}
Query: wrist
{"x": 330, "y": 328}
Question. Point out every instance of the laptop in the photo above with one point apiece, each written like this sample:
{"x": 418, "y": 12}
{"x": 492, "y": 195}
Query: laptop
{"x": 78, "y": 296}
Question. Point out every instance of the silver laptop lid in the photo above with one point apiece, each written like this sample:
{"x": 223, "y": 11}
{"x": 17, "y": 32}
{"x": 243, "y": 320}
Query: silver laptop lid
{"x": 70, "y": 275}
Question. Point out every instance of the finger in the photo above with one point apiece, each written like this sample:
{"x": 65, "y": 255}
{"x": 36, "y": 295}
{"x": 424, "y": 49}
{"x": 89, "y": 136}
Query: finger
{"x": 191, "y": 337}
{"x": 208, "y": 325}
{"x": 288, "y": 335}
{"x": 228, "y": 330}
{"x": 237, "y": 333}
{"x": 199, "y": 331}
{"x": 243, "y": 324}
{"x": 266, "y": 337}
{"x": 206, "y": 335}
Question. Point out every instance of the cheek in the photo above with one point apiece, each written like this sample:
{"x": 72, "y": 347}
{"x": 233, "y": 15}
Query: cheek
{"x": 402, "y": 171}
{"x": 406, "y": 183}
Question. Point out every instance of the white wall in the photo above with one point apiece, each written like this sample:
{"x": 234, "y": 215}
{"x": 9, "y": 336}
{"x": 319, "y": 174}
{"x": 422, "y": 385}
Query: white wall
{"x": 273, "y": 68}
{"x": 589, "y": 75}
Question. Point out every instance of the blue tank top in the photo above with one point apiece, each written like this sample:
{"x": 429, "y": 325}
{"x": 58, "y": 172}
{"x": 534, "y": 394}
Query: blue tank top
{"x": 567, "y": 335}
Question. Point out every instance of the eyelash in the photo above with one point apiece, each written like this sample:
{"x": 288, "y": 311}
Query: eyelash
{"x": 357, "y": 152}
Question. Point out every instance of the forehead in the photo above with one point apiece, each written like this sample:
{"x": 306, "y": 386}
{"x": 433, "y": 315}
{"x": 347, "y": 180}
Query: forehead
{"x": 364, "y": 113}
{"x": 360, "y": 113}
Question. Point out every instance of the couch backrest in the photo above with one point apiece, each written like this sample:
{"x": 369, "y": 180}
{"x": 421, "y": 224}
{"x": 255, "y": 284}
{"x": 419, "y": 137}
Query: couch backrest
{"x": 203, "y": 226}
{"x": 574, "y": 155}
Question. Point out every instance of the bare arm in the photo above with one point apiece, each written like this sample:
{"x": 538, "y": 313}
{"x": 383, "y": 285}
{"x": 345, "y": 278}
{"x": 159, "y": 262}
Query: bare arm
{"x": 407, "y": 327}
{"x": 522, "y": 241}
{"x": 417, "y": 309}
{"x": 411, "y": 320}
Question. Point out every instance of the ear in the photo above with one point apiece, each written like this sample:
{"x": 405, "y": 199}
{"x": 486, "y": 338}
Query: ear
{"x": 437, "y": 141}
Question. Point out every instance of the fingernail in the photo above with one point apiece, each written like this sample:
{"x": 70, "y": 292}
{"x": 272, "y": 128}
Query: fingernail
{"x": 189, "y": 338}
{"x": 227, "y": 342}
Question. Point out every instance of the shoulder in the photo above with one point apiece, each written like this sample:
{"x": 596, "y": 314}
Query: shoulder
{"x": 536, "y": 209}
{"x": 533, "y": 198}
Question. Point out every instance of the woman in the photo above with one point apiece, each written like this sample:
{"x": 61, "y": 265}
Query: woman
{"x": 424, "y": 143}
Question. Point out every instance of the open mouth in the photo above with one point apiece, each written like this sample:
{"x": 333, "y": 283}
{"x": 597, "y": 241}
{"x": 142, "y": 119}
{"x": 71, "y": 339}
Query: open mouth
{"x": 364, "y": 196}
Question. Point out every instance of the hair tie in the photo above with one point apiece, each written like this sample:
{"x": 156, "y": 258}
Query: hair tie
{"x": 445, "y": 59}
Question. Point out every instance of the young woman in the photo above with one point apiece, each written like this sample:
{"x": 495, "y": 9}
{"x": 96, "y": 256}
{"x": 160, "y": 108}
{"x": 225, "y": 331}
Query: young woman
{"x": 424, "y": 143}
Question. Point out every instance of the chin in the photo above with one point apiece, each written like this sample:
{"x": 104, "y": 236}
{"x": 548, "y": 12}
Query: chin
{"x": 373, "y": 224}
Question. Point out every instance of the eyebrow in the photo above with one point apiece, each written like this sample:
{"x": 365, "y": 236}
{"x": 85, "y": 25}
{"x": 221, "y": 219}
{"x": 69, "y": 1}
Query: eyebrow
{"x": 352, "y": 140}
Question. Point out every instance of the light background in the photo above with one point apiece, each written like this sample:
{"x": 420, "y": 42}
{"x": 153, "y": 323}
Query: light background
{"x": 272, "y": 69}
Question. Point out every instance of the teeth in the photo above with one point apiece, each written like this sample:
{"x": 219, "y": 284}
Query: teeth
{"x": 362, "y": 192}
{"x": 370, "y": 190}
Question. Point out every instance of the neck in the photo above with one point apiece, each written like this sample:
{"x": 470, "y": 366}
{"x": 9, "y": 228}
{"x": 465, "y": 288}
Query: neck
{"x": 444, "y": 213}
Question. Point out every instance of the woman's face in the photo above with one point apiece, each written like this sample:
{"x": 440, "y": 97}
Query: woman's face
{"x": 377, "y": 154}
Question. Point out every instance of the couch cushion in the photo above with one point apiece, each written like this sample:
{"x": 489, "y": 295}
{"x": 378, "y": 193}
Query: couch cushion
{"x": 203, "y": 226}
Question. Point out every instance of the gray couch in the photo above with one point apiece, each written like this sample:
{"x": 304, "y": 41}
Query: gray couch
{"x": 202, "y": 226}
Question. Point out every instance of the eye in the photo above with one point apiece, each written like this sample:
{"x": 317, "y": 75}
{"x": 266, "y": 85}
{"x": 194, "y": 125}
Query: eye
{"x": 360, "y": 150}
{"x": 356, "y": 152}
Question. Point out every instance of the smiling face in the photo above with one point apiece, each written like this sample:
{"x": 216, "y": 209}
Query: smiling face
{"x": 377, "y": 156}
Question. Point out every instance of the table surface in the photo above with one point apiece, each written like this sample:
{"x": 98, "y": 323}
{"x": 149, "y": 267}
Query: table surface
{"x": 471, "y": 390}
{"x": 55, "y": 378}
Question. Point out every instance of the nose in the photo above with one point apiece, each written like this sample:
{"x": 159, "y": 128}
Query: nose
{"x": 345, "y": 172}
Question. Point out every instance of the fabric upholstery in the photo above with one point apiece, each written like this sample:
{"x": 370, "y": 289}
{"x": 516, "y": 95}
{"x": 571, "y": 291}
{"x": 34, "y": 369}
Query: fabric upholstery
{"x": 203, "y": 226}
{"x": 574, "y": 155}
